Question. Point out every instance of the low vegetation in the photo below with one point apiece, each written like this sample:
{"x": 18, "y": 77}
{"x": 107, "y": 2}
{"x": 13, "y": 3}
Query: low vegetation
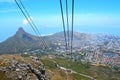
{"x": 3, "y": 76}
{"x": 98, "y": 72}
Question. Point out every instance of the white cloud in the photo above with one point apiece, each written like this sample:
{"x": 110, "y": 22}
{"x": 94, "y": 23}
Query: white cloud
{"x": 25, "y": 21}
{"x": 8, "y": 10}
{"x": 46, "y": 34}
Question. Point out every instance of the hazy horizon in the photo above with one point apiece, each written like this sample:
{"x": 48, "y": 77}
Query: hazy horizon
{"x": 90, "y": 16}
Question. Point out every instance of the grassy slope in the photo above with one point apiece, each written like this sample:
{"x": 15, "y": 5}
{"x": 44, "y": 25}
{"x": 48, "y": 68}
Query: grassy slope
{"x": 100, "y": 72}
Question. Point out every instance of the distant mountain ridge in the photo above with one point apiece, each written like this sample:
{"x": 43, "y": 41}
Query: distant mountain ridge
{"x": 23, "y": 41}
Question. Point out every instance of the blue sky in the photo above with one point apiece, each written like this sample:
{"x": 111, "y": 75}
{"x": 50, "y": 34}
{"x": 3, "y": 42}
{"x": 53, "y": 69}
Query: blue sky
{"x": 91, "y": 16}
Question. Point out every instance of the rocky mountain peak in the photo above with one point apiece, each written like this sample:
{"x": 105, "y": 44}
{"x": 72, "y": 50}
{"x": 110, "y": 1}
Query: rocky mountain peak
{"x": 20, "y": 31}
